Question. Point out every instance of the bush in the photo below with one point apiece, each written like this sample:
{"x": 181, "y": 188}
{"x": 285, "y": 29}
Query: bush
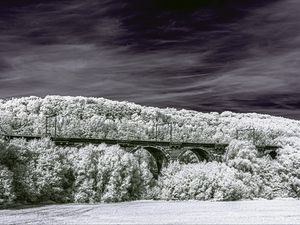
{"x": 7, "y": 195}
{"x": 39, "y": 171}
{"x": 203, "y": 181}
{"x": 107, "y": 174}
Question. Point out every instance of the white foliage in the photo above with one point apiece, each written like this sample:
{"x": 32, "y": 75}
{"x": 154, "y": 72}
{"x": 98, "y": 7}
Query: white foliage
{"x": 7, "y": 195}
{"x": 203, "y": 181}
{"x": 41, "y": 171}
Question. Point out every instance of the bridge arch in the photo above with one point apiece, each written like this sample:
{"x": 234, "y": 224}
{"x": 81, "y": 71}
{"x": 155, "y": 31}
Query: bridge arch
{"x": 201, "y": 154}
{"x": 273, "y": 154}
{"x": 159, "y": 155}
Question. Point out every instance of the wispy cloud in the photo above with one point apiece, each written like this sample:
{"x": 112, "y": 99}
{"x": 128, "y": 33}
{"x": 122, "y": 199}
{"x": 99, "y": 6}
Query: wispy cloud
{"x": 196, "y": 61}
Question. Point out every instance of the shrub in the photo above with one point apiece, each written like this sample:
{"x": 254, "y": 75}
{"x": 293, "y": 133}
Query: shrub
{"x": 7, "y": 195}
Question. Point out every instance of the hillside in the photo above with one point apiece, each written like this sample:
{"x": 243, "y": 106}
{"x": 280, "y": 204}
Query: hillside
{"x": 39, "y": 171}
{"x": 98, "y": 117}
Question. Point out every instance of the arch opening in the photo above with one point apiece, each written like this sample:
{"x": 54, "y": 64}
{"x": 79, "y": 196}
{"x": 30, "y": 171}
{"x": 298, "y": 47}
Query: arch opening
{"x": 188, "y": 157}
{"x": 273, "y": 154}
{"x": 159, "y": 158}
{"x": 195, "y": 155}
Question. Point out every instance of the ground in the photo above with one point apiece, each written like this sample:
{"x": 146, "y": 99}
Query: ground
{"x": 279, "y": 211}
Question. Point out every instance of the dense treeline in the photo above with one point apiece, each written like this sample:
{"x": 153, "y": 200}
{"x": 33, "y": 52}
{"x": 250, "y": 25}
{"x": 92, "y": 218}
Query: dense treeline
{"x": 39, "y": 171}
{"x": 101, "y": 118}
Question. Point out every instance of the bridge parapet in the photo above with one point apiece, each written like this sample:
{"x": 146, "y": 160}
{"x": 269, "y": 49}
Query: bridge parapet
{"x": 175, "y": 145}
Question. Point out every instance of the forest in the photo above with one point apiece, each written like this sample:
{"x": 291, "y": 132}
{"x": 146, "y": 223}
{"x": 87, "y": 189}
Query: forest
{"x": 38, "y": 171}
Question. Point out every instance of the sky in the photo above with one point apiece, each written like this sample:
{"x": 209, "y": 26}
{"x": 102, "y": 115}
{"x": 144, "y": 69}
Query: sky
{"x": 204, "y": 55}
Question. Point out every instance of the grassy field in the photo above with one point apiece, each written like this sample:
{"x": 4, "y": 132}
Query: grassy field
{"x": 279, "y": 211}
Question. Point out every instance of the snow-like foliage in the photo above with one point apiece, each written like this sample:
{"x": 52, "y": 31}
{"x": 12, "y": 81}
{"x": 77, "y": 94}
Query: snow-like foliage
{"x": 6, "y": 187}
{"x": 242, "y": 156}
{"x": 106, "y": 174}
{"x": 38, "y": 171}
{"x": 102, "y": 118}
{"x": 202, "y": 181}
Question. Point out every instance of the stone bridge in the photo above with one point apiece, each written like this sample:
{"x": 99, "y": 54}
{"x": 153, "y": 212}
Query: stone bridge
{"x": 162, "y": 151}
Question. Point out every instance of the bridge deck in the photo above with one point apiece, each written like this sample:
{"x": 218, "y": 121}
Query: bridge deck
{"x": 72, "y": 141}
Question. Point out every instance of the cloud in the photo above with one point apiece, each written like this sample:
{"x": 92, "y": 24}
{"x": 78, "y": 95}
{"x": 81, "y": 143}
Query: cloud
{"x": 107, "y": 49}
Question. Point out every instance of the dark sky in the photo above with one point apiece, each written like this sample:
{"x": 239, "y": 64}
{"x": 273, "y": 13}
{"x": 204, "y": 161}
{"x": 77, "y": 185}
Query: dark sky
{"x": 206, "y": 55}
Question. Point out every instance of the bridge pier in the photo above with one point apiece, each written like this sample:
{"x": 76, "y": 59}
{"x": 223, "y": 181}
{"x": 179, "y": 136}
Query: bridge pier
{"x": 173, "y": 154}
